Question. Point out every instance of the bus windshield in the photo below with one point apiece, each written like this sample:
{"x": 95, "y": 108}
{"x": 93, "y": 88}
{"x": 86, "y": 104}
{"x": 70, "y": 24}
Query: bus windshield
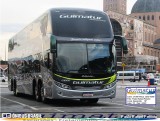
{"x": 83, "y": 58}
{"x": 82, "y": 25}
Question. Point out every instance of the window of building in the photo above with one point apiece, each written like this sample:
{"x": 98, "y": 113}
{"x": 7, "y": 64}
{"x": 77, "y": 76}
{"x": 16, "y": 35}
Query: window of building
{"x": 139, "y": 17}
{"x": 148, "y": 17}
{"x": 152, "y": 38}
{"x": 159, "y": 17}
{"x": 132, "y": 27}
{"x": 152, "y": 17}
{"x": 145, "y": 36}
{"x": 144, "y": 18}
{"x": 149, "y": 37}
{"x": 144, "y": 52}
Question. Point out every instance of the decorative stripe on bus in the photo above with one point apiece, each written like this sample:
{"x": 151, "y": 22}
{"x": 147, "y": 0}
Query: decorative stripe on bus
{"x": 112, "y": 78}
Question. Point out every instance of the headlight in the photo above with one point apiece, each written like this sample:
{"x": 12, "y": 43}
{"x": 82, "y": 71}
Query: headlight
{"x": 62, "y": 85}
{"x": 110, "y": 85}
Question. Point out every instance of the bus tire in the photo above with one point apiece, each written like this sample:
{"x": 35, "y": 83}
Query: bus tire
{"x": 15, "y": 91}
{"x": 11, "y": 84}
{"x": 93, "y": 100}
{"x": 130, "y": 80}
{"x": 37, "y": 91}
{"x": 44, "y": 99}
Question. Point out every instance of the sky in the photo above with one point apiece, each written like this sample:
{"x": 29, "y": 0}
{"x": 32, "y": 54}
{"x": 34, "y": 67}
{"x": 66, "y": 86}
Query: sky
{"x": 16, "y": 14}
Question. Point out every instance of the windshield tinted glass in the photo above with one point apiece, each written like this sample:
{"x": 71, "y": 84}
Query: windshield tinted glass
{"x": 83, "y": 58}
{"x": 81, "y": 24}
{"x": 99, "y": 57}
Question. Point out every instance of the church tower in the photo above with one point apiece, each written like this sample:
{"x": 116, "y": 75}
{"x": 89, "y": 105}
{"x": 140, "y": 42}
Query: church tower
{"x": 119, "y": 6}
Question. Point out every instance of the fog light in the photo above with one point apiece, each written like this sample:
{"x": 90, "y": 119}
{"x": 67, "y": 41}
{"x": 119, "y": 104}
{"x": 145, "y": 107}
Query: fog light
{"x": 112, "y": 92}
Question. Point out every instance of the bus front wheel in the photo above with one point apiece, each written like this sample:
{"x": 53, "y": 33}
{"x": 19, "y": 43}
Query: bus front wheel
{"x": 15, "y": 91}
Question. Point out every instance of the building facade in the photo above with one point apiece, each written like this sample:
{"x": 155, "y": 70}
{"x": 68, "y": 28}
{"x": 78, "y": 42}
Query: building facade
{"x": 115, "y": 5}
{"x": 148, "y": 11}
{"x": 141, "y": 32}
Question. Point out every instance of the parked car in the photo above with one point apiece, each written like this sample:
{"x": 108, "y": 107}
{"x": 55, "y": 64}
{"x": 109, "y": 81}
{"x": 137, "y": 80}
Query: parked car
{"x": 3, "y": 78}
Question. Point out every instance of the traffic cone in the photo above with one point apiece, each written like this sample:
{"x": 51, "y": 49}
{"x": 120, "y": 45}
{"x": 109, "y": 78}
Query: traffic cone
{"x": 148, "y": 83}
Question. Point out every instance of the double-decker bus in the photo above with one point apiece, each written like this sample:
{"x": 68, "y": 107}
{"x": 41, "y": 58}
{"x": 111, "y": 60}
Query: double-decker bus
{"x": 64, "y": 54}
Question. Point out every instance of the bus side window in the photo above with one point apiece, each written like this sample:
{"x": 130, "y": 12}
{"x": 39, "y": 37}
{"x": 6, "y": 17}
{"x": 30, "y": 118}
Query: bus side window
{"x": 30, "y": 64}
{"x": 23, "y": 67}
{"x": 36, "y": 66}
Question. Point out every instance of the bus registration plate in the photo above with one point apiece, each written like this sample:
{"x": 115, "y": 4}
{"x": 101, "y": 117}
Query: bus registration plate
{"x": 87, "y": 94}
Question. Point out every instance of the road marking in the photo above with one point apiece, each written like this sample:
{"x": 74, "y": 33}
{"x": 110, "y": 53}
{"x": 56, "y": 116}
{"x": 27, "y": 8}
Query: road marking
{"x": 45, "y": 108}
{"x": 103, "y": 107}
{"x": 33, "y": 108}
{"x": 58, "y": 110}
{"x": 126, "y": 105}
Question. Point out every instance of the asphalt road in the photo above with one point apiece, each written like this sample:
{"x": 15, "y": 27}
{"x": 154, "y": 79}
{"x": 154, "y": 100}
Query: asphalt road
{"x": 25, "y": 103}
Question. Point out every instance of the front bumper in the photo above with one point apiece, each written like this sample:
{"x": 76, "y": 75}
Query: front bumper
{"x": 60, "y": 93}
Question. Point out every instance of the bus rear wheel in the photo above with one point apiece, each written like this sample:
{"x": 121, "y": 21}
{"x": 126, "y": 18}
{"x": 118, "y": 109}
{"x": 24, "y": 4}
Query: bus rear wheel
{"x": 37, "y": 91}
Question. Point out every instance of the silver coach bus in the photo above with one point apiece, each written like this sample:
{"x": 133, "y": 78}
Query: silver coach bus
{"x": 64, "y": 54}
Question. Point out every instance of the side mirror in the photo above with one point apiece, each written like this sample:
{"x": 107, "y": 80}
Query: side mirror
{"x": 53, "y": 44}
{"x": 123, "y": 42}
